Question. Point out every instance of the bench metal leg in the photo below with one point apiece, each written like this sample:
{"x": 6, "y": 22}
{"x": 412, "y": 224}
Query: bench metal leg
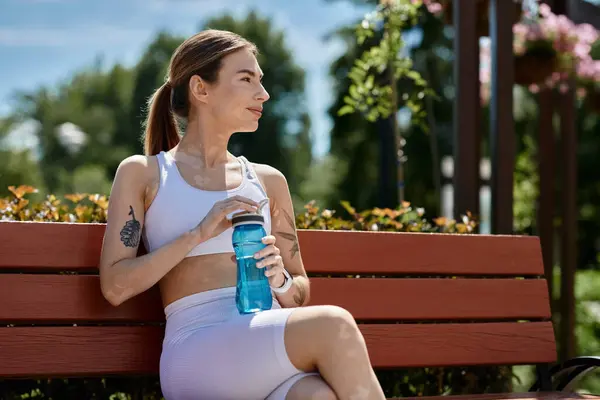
{"x": 543, "y": 377}
{"x": 564, "y": 374}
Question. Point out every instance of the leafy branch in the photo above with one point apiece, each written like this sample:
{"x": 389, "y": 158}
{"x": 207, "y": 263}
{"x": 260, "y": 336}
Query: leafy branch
{"x": 367, "y": 93}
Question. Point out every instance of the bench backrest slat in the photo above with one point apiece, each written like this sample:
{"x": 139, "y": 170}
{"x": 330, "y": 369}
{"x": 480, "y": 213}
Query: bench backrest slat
{"x": 47, "y": 299}
{"x": 77, "y": 246}
{"x": 420, "y": 300}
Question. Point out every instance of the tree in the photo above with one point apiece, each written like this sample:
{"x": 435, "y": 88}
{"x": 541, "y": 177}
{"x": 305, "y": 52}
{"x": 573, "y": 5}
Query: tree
{"x": 368, "y": 141}
{"x": 78, "y": 121}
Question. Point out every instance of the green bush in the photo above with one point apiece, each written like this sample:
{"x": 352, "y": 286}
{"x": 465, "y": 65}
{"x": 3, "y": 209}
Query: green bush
{"x": 401, "y": 383}
{"x": 93, "y": 208}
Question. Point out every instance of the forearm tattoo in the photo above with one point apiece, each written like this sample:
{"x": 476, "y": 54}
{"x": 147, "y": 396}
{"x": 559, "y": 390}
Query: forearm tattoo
{"x": 300, "y": 295}
{"x": 290, "y": 236}
{"x": 131, "y": 232}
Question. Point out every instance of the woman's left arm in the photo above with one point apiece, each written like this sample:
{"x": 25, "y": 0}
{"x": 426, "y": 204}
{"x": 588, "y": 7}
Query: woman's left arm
{"x": 283, "y": 248}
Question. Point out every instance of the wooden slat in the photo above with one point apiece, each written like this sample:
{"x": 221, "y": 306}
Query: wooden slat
{"x": 62, "y": 245}
{"x": 87, "y": 351}
{"x": 419, "y": 253}
{"x": 50, "y": 244}
{"x": 72, "y": 298}
{"x": 432, "y": 345}
{"x": 79, "y": 351}
{"x": 434, "y": 299}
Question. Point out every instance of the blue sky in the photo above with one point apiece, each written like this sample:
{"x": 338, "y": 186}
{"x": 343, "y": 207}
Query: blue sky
{"x": 43, "y": 41}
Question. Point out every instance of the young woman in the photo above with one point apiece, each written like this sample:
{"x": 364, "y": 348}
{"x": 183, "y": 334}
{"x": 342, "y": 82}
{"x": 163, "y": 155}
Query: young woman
{"x": 177, "y": 198}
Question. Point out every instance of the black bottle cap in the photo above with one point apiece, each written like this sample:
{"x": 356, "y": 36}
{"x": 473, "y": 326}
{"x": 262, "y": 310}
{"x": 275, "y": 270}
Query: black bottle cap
{"x": 247, "y": 218}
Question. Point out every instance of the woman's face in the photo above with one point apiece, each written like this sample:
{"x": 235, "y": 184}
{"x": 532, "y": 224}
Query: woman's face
{"x": 236, "y": 100}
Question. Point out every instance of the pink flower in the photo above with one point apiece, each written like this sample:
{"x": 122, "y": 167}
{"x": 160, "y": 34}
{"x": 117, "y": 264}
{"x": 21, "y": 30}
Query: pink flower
{"x": 435, "y": 8}
{"x": 533, "y": 88}
{"x": 545, "y": 10}
{"x": 588, "y": 70}
{"x": 586, "y": 33}
{"x": 582, "y": 50}
{"x": 563, "y": 88}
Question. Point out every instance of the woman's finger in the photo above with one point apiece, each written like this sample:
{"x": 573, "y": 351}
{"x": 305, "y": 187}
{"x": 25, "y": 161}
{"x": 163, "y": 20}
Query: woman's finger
{"x": 270, "y": 239}
{"x": 269, "y": 272}
{"x": 241, "y": 199}
{"x": 237, "y": 206}
{"x": 271, "y": 260}
{"x": 267, "y": 251}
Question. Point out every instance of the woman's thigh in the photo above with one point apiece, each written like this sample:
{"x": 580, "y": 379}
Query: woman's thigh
{"x": 244, "y": 358}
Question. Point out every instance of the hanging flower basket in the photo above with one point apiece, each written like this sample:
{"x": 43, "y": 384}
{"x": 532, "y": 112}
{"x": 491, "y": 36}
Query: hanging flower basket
{"x": 535, "y": 66}
{"x": 588, "y": 76}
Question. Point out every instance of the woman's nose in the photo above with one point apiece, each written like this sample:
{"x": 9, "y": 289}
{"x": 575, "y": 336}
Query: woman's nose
{"x": 263, "y": 95}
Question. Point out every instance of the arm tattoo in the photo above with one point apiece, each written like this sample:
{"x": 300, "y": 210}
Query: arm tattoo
{"x": 290, "y": 236}
{"x": 131, "y": 232}
{"x": 300, "y": 297}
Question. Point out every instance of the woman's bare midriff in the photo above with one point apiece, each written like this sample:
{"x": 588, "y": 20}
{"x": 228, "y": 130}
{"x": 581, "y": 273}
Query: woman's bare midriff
{"x": 193, "y": 274}
{"x": 198, "y": 274}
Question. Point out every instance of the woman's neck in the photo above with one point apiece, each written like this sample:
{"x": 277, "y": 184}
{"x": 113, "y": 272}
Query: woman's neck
{"x": 207, "y": 146}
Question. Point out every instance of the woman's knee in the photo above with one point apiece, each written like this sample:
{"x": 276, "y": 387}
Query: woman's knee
{"x": 324, "y": 320}
{"x": 338, "y": 323}
{"x": 316, "y": 330}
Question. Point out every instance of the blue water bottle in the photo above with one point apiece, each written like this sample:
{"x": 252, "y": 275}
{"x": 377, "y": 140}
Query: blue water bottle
{"x": 253, "y": 292}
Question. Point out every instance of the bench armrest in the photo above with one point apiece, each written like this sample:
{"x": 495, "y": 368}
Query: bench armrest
{"x": 564, "y": 374}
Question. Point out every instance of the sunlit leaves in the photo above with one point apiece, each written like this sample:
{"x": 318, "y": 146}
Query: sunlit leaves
{"x": 80, "y": 207}
{"x": 371, "y": 95}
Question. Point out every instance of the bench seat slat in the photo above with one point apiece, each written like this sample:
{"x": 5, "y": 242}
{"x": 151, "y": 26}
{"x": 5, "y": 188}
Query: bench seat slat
{"x": 89, "y": 351}
{"x": 73, "y": 298}
{"x": 73, "y": 246}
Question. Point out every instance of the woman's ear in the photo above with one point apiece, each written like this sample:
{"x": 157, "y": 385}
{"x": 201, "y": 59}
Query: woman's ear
{"x": 198, "y": 89}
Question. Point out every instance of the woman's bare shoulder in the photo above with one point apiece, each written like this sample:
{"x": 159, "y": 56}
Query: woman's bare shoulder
{"x": 137, "y": 166}
{"x": 139, "y": 173}
{"x": 273, "y": 179}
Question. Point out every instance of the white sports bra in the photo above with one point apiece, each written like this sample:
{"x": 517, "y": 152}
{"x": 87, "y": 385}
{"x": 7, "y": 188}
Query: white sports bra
{"x": 179, "y": 207}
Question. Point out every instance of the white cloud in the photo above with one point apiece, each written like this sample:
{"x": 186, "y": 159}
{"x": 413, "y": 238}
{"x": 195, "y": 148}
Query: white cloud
{"x": 70, "y": 36}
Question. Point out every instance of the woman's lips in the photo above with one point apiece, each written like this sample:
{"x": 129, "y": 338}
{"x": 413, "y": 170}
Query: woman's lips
{"x": 255, "y": 111}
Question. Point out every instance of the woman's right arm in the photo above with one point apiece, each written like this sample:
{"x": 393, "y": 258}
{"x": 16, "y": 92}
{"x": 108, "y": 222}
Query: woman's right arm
{"x": 122, "y": 274}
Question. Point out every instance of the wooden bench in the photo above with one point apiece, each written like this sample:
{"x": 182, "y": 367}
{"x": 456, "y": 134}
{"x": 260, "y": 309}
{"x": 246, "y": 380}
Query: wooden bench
{"x": 436, "y": 300}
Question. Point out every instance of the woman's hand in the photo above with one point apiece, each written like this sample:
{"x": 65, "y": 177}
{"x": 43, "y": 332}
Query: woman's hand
{"x": 216, "y": 221}
{"x": 271, "y": 261}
